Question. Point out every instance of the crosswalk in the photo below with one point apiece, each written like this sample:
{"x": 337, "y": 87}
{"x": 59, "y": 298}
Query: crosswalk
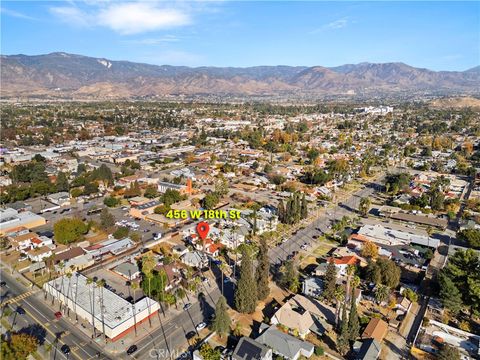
{"x": 19, "y": 297}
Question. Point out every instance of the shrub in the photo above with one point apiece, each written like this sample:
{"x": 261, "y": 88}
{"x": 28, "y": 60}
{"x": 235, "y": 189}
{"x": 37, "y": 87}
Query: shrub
{"x": 319, "y": 351}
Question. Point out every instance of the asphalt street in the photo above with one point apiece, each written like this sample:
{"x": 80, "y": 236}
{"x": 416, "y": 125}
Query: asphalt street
{"x": 321, "y": 225}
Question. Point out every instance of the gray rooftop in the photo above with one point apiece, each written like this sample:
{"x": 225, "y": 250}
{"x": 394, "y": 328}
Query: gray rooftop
{"x": 283, "y": 344}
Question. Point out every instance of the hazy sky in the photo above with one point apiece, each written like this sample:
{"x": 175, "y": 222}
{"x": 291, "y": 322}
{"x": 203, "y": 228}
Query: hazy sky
{"x": 435, "y": 35}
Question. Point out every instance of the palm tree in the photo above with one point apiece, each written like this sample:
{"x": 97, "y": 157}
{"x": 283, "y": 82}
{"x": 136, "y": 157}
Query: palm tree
{"x": 101, "y": 285}
{"x": 77, "y": 275}
{"x": 92, "y": 302}
{"x": 61, "y": 265}
{"x": 339, "y": 296}
{"x": 134, "y": 286}
{"x": 69, "y": 276}
{"x": 223, "y": 267}
{"x": 350, "y": 272}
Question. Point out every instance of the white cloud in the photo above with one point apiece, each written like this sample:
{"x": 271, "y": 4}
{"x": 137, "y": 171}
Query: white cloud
{"x": 337, "y": 24}
{"x": 126, "y": 18}
{"x": 15, "y": 14}
{"x": 71, "y": 15}
{"x": 134, "y": 18}
{"x": 334, "y": 25}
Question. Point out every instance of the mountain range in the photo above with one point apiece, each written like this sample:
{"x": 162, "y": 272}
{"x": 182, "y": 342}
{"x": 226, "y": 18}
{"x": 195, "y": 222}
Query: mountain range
{"x": 63, "y": 75}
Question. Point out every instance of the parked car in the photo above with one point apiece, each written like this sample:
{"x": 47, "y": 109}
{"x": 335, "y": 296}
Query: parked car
{"x": 58, "y": 315}
{"x": 65, "y": 349}
{"x": 132, "y": 349}
{"x": 3, "y": 284}
{"x": 190, "y": 335}
{"x": 187, "y": 306}
{"x": 20, "y": 310}
{"x": 201, "y": 326}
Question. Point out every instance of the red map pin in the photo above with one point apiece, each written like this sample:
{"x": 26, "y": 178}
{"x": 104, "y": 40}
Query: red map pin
{"x": 203, "y": 228}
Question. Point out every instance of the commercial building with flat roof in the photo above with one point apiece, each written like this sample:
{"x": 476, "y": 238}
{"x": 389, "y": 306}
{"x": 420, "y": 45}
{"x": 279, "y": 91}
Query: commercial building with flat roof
{"x": 382, "y": 235}
{"x": 106, "y": 311}
{"x": 11, "y": 218}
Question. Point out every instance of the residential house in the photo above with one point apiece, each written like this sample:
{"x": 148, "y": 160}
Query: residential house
{"x": 249, "y": 349}
{"x": 39, "y": 254}
{"x": 376, "y": 329}
{"x": 128, "y": 270}
{"x": 369, "y": 350}
{"x": 60, "y": 198}
{"x": 313, "y": 287}
{"x": 285, "y": 345}
{"x": 342, "y": 264}
{"x": 295, "y": 318}
{"x": 195, "y": 259}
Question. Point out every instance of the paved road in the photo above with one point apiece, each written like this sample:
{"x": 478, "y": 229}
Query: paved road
{"x": 170, "y": 339}
{"x": 322, "y": 224}
{"x": 39, "y": 318}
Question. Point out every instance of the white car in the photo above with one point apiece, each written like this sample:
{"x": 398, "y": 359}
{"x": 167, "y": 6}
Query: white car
{"x": 201, "y": 326}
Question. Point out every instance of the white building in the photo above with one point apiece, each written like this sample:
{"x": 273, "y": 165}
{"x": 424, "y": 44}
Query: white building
{"x": 108, "y": 312}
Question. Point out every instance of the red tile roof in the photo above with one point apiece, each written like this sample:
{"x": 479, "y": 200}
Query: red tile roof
{"x": 346, "y": 260}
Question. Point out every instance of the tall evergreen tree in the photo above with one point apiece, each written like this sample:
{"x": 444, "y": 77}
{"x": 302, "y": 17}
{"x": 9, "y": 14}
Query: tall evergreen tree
{"x": 290, "y": 278}
{"x": 304, "y": 207}
{"x": 281, "y": 211}
{"x": 262, "y": 271}
{"x": 342, "y": 340}
{"x": 246, "y": 290}
{"x": 222, "y": 321}
{"x": 62, "y": 182}
{"x": 330, "y": 281}
{"x": 353, "y": 322}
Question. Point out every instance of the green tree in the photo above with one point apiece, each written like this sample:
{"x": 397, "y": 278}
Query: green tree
{"x": 471, "y": 237}
{"x": 107, "y": 220}
{"x": 90, "y": 188}
{"x": 208, "y": 353}
{"x": 450, "y": 295}
{"x": 151, "y": 192}
{"x": 364, "y": 206}
{"x": 62, "y": 182}
{"x": 410, "y": 295}
{"x": 342, "y": 340}
{"x": 19, "y": 347}
{"x": 262, "y": 271}
{"x": 353, "y": 321}
{"x": 290, "y": 277}
{"x": 246, "y": 290}
{"x": 111, "y": 201}
{"x": 463, "y": 269}
{"x": 76, "y": 192}
{"x": 121, "y": 232}
{"x": 68, "y": 230}
{"x": 222, "y": 321}
{"x": 382, "y": 292}
{"x": 304, "y": 208}
{"x": 330, "y": 281}
{"x": 390, "y": 272}
{"x": 210, "y": 201}
{"x": 133, "y": 190}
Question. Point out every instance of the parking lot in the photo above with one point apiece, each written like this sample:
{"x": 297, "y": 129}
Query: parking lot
{"x": 116, "y": 283}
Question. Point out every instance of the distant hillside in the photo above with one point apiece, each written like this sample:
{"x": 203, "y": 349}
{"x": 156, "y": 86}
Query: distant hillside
{"x": 68, "y": 75}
